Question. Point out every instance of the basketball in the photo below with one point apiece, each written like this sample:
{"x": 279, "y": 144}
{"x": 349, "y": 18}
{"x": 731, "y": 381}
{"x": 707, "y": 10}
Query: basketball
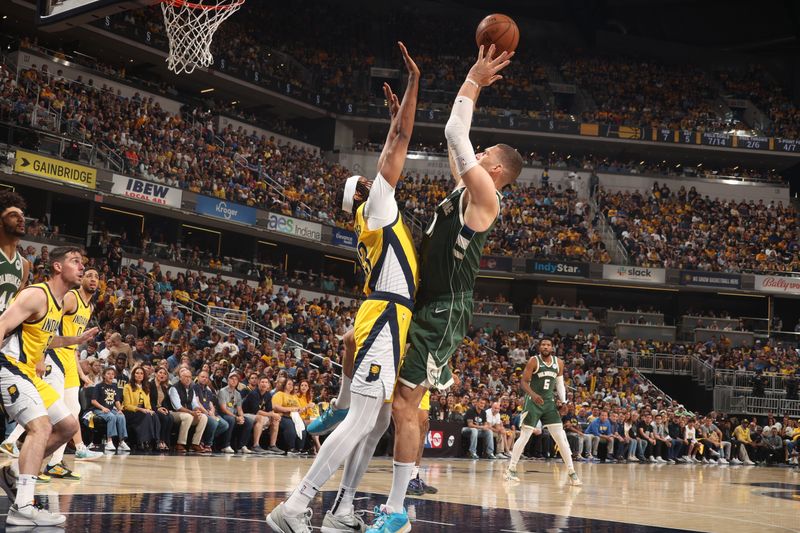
{"x": 500, "y": 30}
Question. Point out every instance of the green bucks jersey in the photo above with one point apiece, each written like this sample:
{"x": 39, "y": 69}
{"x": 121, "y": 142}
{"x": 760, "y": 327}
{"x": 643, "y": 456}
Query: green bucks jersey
{"x": 543, "y": 381}
{"x": 451, "y": 251}
{"x": 10, "y": 278}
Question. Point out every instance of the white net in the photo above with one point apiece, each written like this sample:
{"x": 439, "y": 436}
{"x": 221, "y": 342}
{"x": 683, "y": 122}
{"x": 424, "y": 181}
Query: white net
{"x": 191, "y": 27}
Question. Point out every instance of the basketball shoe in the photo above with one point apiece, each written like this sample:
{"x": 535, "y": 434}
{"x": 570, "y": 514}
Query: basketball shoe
{"x": 280, "y": 522}
{"x": 351, "y": 523}
{"x": 327, "y": 421}
{"x": 386, "y": 522}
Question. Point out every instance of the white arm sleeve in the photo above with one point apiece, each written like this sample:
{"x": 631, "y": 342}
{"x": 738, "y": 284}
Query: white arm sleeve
{"x": 457, "y": 133}
{"x": 380, "y": 208}
{"x": 561, "y": 389}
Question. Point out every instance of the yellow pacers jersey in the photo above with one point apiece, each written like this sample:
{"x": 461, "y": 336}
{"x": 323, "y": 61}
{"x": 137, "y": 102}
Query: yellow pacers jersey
{"x": 73, "y": 325}
{"x": 388, "y": 257}
{"x": 26, "y": 345}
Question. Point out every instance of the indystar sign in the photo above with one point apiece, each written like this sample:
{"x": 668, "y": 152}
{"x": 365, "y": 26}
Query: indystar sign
{"x": 558, "y": 268}
{"x": 634, "y": 273}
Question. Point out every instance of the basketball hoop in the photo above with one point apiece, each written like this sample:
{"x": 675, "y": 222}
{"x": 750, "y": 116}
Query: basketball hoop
{"x": 191, "y": 27}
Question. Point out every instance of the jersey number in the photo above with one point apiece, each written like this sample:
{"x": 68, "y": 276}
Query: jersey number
{"x": 546, "y": 384}
{"x": 363, "y": 259}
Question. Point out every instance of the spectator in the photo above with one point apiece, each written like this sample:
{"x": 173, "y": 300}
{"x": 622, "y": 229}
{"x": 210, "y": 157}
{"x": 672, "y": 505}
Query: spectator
{"x": 159, "y": 395}
{"x": 286, "y": 404}
{"x": 599, "y": 431}
{"x": 239, "y": 427}
{"x": 308, "y": 409}
{"x": 186, "y": 412}
{"x": 742, "y": 444}
{"x": 257, "y": 407}
{"x": 774, "y": 446}
{"x": 139, "y": 415}
{"x": 216, "y": 425}
{"x": 477, "y": 426}
{"x": 503, "y": 441}
{"x": 107, "y": 402}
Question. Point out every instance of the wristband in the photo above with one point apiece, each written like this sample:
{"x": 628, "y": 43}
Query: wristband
{"x": 473, "y": 82}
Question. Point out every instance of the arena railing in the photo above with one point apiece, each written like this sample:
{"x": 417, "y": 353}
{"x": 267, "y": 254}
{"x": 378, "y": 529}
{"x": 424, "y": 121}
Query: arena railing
{"x": 743, "y": 379}
{"x": 776, "y": 406}
{"x": 315, "y": 359}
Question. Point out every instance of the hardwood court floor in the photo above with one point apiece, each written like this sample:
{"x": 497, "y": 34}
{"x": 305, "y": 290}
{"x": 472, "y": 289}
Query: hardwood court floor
{"x": 134, "y": 493}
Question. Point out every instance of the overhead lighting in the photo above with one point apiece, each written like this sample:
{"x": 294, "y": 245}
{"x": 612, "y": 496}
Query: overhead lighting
{"x": 209, "y": 90}
{"x": 235, "y": 102}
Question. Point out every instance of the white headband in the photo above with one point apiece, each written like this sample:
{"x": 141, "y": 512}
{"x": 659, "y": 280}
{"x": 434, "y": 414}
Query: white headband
{"x": 349, "y": 193}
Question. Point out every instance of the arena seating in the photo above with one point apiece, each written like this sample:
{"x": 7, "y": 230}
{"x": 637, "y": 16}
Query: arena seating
{"x": 150, "y": 308}
{"x": 658, "y": 95}
{"x": 681, "y": 229}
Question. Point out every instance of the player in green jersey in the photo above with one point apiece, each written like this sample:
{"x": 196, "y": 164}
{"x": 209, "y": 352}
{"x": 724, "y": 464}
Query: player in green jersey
{"x": 450, "y": 259}
{"x": 543, "y": 375}
{"x": 14, "y": 269}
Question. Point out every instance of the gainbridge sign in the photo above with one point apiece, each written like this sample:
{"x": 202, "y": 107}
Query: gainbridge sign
{"x": 55, "y": 169}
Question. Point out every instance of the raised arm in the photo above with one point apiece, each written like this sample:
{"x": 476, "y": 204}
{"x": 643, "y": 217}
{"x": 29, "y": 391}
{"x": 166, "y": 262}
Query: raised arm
{"x": 394, "y": 153}
{"x": 476, "y": 178}
{"x": 394, "y": 106}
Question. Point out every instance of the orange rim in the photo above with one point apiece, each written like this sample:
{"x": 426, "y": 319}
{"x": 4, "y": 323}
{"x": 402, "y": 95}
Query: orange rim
{"x": 192, "y": 5}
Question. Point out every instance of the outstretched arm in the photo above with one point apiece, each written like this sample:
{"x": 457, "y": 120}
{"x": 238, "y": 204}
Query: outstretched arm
{"x": 477, "y": 180}
{"x": 394, "y": 153}
{"x": 394, "y": 107}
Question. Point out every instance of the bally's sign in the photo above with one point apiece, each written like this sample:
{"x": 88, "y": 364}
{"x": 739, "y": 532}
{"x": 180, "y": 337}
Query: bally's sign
{"x": 634, "y": 273}
{"x": 145, "y": 191}
{"x": 777, "y": 284}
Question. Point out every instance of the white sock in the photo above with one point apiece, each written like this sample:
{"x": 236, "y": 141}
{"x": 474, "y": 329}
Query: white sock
{"x": 519, "y": 446}
{"x": 415, "y": 472}
{"x": 343, "y": 505}
{"x": 343, "y": 400}
{"x": 560, "y": 436}
{"x": 300, "y": 498}
{"x": 16, "y": 433}
{"x": 400, "y": 479}
{"x": 26, "y": 485}
{"x": 57, "y": 456}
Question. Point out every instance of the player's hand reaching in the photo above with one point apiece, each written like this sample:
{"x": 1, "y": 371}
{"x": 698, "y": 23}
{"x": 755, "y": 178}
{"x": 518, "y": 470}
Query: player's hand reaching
{"x": 411, "y": 66}
{"x": 391, "y": 100}
{"x": 538, "y": 400}
{"x": 88, "y": 335}
{"x": 485, "y": 70}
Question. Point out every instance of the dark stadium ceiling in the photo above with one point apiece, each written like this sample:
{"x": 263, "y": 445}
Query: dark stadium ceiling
{"x": 745, "y": 26}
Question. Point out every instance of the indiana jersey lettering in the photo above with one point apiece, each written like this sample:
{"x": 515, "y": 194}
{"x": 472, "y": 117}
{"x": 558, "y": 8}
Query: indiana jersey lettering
{"x": 72, "y": 325}
{"x": 20, "y": 353}
{"x": 25, "y": 347}
{"x": 387, "y": 257}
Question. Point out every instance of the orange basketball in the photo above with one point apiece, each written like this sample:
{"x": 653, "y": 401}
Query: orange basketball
{"x": 500, "y": 30}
